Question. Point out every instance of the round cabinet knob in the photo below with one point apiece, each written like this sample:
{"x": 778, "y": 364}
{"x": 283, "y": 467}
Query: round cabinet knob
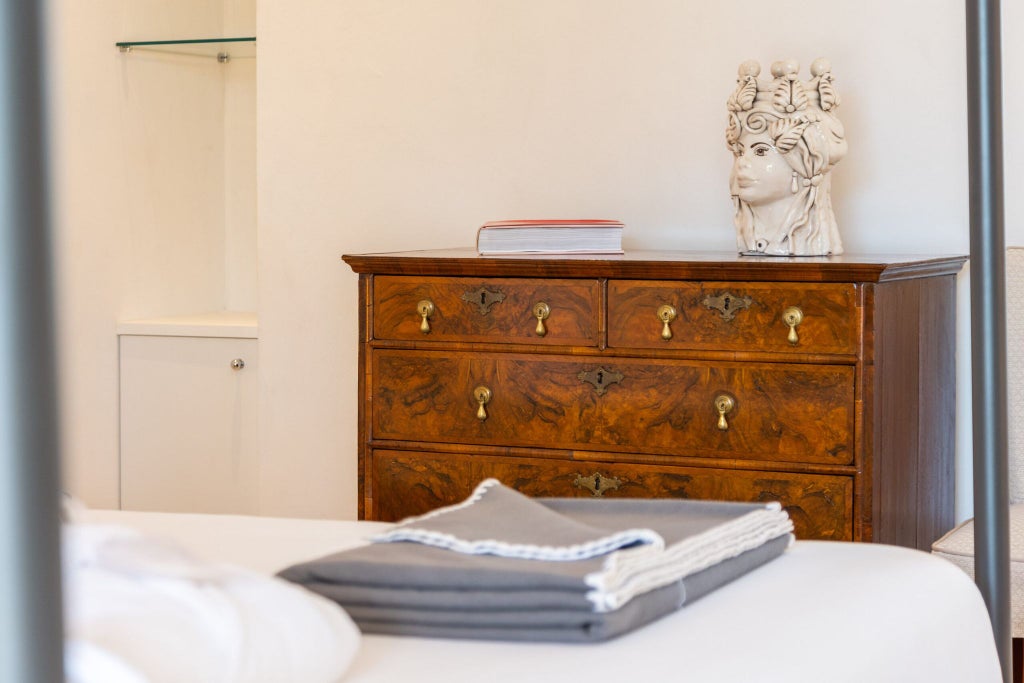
{"x": 724, "y": 405}
{"x": 237, "y": 364}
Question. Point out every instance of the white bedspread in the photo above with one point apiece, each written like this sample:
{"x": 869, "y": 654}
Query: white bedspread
{"x": 142, "y": 609}
{"x": 822, "y": 613}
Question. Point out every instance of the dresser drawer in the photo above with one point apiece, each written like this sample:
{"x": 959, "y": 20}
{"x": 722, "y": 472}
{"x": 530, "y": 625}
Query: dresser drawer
{"x": 733, "y": 316}
{"x": 512, "y": 310}
{"x": 779, "y": 412}
{"x": 411, "y": 483}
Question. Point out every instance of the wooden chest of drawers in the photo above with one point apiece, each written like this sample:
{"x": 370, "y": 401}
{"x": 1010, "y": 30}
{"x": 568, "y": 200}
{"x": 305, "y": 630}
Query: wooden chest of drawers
{"x": 823, "y": 383}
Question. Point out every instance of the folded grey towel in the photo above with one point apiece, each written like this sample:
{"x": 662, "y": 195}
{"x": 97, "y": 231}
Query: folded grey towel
{"x": 470, "y": 570}
{"x": 525, "y": 615}
{"x": 497, "y": 520}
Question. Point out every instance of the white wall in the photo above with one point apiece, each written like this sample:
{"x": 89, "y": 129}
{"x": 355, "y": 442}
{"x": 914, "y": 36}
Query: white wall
{"x": 239, "y": 179}
{"x": 140, "y": 169}
{"x": 388, "y": 126}
{"x": 384, "y": 125}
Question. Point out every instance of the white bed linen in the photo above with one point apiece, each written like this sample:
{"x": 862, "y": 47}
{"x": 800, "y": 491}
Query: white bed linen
{"x": 823, "y": 612}
{"x": 144, "y": 608}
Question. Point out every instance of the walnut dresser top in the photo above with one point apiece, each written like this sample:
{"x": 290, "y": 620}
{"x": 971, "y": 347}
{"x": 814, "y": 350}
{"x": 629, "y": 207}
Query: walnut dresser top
{"x": 643, "y": 264}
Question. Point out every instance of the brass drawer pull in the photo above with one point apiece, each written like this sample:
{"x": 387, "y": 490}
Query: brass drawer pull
{"x": 426, "y": 309}
{"x": 724, "y": 405}
{"x": 541, "y": 311}
{"x": 483, "y": 396}
{"x": 483, "y": 298}
{"x": 728, "y": 304}
{"x": 793, "y": 316}
{"x": 600, "y": 378}
{"x": 596, "y": 483}
{"x": 666, "y": 314}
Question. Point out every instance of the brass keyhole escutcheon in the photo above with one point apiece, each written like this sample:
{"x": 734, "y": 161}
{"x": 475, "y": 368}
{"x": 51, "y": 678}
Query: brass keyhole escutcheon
{"x": 596, "y": 483}
{"x": 666, "y": 314}
{"x": 541, "y": 311}
{"x": 727, "y": 304}
{"x": 426, "y": 309}
{"x": 600, "y": 378}
{"x": 483, "y": 396}
{"x": 724, "y": 405}
{"x": 793, "y": 316}
{"x": 483, "y": 299}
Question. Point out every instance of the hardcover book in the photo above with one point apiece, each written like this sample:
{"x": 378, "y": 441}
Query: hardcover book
{"x": 561, "y": 236}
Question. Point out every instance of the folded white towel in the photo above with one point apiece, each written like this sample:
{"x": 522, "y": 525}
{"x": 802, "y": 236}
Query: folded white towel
{"x": 140, "y": 609}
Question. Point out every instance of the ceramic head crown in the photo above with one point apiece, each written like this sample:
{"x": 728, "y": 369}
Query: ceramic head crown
{"x": 783, "y": 130}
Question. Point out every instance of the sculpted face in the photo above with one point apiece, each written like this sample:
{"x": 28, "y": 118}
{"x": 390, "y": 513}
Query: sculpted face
{"x": 785, "y": 139}
{"x": 760, "y": 175}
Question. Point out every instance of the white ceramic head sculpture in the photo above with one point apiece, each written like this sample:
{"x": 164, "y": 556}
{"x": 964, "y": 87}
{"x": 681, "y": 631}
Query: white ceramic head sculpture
{"x": 786, "y": 139}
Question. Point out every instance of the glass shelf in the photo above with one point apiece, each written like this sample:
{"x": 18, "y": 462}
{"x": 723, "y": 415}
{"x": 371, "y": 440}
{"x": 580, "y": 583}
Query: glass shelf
{"x": 221, "y": 49}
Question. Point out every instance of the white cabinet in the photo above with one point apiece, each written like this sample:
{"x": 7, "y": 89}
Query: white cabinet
{"x": 188, "y": 411}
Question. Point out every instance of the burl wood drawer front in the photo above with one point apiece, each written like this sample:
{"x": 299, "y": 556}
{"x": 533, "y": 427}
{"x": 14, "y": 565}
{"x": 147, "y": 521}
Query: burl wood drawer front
{"x": 512, "y": 310}
{"x": 733, "y": 316}
{"x": 411, "y": 483}
{"x": 778, "y": 412}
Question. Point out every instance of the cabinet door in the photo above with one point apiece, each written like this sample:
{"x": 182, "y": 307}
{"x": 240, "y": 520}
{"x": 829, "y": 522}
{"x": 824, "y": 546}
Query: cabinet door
{"x": 188, "y": 424}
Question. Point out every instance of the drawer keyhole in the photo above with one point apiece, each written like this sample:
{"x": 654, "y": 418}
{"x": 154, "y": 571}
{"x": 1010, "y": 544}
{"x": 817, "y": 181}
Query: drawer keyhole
{"x": 600, "y": 378}
{"x": 727, "y": 304}
{"x": 483, "y": 299}
{"x": 596, "y": 483}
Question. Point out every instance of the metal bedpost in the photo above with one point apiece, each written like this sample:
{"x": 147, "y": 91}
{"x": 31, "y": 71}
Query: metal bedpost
{"x": 988, "y": 318}
{"x": 31, "y": 639}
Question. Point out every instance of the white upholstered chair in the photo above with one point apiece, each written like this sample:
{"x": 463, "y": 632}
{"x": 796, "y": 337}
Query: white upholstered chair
{"x": 957, "y": 546}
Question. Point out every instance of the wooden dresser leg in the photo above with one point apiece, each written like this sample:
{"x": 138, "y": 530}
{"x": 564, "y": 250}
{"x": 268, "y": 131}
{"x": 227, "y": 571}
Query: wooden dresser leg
{"x": 1018, "y": 660}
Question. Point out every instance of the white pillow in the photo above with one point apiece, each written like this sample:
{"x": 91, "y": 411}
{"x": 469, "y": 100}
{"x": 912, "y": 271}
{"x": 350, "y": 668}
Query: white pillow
{"x": 141, "y": 609}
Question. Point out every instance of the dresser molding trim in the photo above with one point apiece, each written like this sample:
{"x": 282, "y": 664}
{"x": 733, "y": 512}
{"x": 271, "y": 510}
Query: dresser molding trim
{"x": 661, "y": 265}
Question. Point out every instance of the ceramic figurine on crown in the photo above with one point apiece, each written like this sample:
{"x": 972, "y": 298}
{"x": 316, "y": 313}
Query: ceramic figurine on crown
{"x": 786, "y": 139}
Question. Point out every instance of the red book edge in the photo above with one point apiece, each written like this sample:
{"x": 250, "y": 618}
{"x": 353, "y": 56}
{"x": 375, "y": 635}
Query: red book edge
{"x": 534, "y": 223}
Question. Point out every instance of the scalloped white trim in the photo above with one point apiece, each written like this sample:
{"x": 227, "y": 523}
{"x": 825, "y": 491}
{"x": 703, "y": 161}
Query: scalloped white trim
{"x": 634, "y": 571}
{"x": 527, "y": 551}
{"x": 523, "y": 551}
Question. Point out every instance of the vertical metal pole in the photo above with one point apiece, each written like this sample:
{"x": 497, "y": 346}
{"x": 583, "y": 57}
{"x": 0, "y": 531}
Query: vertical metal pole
{"x": 988, "y": 318}
{"x": 31, "y": 639}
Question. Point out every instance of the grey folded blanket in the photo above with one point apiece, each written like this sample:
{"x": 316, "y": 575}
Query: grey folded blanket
{"x": 504, "y": 566}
